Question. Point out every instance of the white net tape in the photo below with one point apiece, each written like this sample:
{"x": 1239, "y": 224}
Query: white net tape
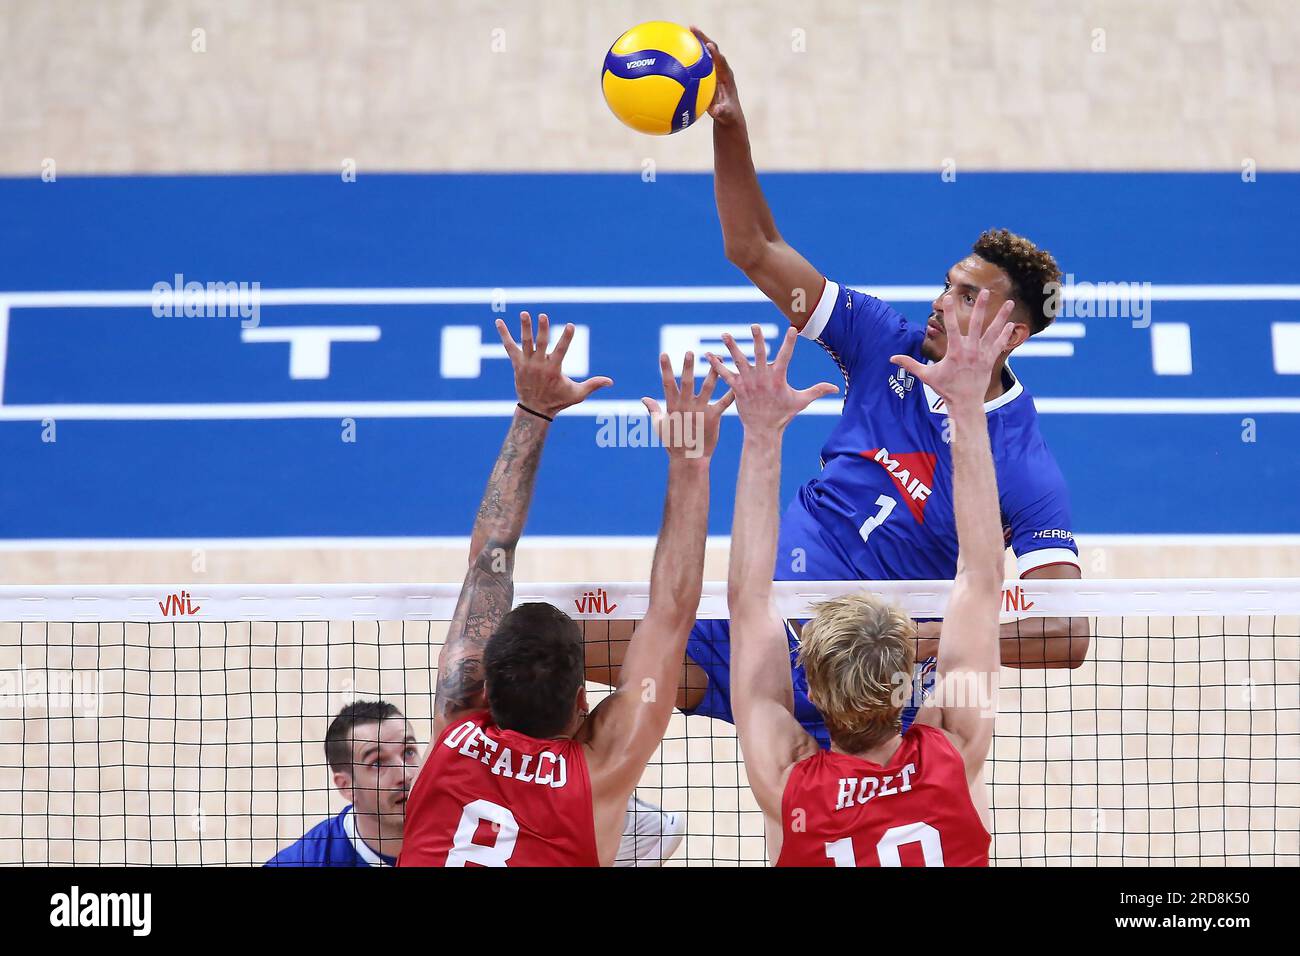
{"x": 627, "y": 601}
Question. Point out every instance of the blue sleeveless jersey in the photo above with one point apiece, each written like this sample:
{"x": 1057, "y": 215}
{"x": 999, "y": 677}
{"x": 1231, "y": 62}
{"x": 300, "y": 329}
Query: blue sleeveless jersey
{"x": 883, "y": 500}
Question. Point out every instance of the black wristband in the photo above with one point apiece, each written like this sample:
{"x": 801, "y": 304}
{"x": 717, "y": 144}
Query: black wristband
{"x": 531, "y": 412}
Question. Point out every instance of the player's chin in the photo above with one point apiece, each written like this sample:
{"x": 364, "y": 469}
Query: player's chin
{"x": 932, "y": 348}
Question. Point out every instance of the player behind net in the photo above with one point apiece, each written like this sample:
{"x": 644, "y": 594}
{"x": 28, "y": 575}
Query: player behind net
{"x": 372, "y": 754}
{"x": 875, "y": 798}
{"x": 519, "y": 773}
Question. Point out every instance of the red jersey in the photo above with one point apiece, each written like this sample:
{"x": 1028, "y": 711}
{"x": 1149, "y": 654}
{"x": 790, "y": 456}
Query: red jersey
{"x": 492, "y": 797}
{"x": 839, "y": 810}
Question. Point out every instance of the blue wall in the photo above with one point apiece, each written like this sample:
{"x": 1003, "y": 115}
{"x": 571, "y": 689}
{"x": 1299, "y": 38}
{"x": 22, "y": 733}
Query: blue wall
{"x": 1133, "y": 473}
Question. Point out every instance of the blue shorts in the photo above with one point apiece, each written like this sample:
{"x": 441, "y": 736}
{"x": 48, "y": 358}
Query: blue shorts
{"x": 709, "y": 646}
{"x": 806, "y": 551}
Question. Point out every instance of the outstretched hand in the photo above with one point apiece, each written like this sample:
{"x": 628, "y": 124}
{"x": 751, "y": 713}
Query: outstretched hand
{"x": 689, "y": 426}
{"x": 764, "y": 397}
{"x": 962, "y": 375}
{"x": 725, "y": 108}
{"x": 540, "y": 381}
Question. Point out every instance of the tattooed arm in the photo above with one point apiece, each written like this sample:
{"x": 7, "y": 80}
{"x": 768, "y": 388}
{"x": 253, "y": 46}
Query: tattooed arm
{"x": 488, "y": 591}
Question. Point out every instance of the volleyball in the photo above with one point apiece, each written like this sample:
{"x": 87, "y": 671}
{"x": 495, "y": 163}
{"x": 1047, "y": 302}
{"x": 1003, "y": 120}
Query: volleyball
{"x": 658, "y": 78}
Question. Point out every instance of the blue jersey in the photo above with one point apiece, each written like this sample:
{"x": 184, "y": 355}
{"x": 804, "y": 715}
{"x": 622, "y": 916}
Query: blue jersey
{"x": 881, "y": 509}
{"x": 332, "y": 842}
{"x": 883, "y": 500}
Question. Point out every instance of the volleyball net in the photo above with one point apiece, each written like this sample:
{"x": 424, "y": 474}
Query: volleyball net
{"x": 160, "y": 726}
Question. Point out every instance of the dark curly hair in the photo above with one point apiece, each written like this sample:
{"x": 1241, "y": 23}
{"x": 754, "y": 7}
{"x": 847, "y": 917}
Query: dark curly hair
{"x": 1034, "y": 274}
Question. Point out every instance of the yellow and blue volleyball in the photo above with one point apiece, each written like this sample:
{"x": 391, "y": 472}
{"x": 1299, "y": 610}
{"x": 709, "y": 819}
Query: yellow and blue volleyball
{"x": 658, "y": 78}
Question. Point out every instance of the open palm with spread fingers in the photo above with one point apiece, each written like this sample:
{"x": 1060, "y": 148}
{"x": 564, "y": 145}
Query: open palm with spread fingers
{"x": 764, "y": 397}
{"x": 689, "y": 425}
{"x": 540, "y": 381}
{"x": 962, "y": 375}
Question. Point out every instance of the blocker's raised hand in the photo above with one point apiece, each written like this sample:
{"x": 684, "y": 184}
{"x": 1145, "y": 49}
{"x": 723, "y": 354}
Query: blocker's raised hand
{"x": 540, "y": 382}
{"x": 689, "y": 425}
{"x": 764, "y": 397}
{"x": 962, "y": 375}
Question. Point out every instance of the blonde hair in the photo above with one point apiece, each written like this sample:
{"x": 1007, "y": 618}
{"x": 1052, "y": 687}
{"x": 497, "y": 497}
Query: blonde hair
{"x": 858, "y": 653}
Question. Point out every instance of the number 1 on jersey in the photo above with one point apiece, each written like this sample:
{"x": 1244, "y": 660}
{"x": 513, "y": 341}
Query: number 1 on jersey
{"x": 886, "y": 505}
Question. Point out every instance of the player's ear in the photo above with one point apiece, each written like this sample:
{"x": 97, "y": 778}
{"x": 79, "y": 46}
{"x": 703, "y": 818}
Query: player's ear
{"x": 581, "y": 702}
{"x": 1020, "y": 332}
{"x": 343, "y": 783}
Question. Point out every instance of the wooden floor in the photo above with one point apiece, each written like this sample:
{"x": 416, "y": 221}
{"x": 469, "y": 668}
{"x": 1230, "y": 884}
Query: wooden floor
{"x": 593, "y": 560}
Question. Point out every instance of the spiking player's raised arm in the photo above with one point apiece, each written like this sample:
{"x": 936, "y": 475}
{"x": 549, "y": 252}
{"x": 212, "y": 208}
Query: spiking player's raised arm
{"x": 750, "y": 237}
{"x": 488, "y": 591}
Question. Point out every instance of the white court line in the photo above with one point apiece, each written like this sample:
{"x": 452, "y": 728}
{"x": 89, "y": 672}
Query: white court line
{"x": 1045, "y": 350}
{"x": 1167, "y": 406}
{"x": 4, "y": 345}
{"x": 1064, "y": 330}
{"x": 560, "y": 542}
{"x": 472, "y": 295}
{"x": 579, "y": 294}
{"x": 596, "y": 408}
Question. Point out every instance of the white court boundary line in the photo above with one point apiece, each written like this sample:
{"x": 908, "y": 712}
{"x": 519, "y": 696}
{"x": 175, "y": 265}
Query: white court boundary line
{"x": 4, "y": 346}
{"x": 558, "y": 542}
{"x": 607, "y": 409}
{"x": 484, "y": 295}
{"x": 579, "y": 294}
{"x": 628, "y": 600}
